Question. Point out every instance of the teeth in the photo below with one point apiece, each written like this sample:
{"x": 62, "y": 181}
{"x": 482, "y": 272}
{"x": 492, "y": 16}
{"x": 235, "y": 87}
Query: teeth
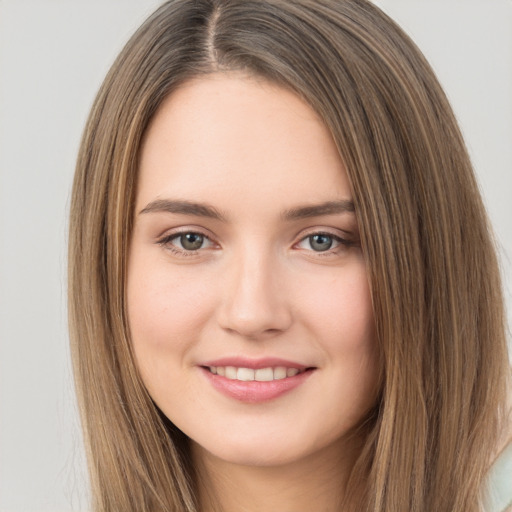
{"x": 248, "y": 374}
{"x": 280, "y": 372}
{"x": 231, "y": 372}
{"x": 245, "y": 374}
{"x": 264, "y": 374}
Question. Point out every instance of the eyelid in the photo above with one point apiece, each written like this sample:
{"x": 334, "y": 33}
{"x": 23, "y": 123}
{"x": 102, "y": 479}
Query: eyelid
{"x": 188, "y": 228}
{"x": 337, "y": 233}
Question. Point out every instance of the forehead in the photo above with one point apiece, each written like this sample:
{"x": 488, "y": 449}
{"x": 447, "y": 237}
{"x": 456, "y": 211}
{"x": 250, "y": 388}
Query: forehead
{"x": 236, "y": 139}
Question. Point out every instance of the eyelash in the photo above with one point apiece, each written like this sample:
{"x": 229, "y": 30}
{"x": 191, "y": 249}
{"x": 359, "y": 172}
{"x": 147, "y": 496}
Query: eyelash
{"x": 343, "y": 243}
{"x": 167, "y": 240}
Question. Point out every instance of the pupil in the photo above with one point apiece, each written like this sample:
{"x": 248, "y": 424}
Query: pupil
{"x": 191, "y": 241}
{"x": 321, "y": 242}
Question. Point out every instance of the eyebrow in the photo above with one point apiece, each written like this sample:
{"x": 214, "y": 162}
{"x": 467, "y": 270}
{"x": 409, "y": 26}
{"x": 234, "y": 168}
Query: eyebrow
{"x": 316, "y": 210}
{"x": 183, "y": 207}
{"x": 204, "y": 210}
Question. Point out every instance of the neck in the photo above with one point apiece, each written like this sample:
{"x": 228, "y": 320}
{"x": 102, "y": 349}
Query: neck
{"x": 317, "y": 482}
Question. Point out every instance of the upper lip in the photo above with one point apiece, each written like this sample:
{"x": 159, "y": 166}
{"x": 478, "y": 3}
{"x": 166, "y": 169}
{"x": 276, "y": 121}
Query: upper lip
{"x": 255, "y": 364}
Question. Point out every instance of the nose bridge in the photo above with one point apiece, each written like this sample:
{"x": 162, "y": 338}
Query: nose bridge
{"x": 253, "y": 302}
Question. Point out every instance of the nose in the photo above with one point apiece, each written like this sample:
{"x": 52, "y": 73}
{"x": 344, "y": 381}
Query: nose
{"x": 254, "y": 304}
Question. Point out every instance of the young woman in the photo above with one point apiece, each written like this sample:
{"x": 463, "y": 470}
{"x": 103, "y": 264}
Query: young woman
{"x": 283, "y": 290}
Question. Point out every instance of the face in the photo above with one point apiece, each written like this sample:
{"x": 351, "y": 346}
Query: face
{"x": 248, "y": 299}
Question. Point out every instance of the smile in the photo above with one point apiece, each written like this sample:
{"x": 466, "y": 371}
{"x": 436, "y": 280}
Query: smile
{"x": 255, "y": 381}
{"x": 250, "y": 374}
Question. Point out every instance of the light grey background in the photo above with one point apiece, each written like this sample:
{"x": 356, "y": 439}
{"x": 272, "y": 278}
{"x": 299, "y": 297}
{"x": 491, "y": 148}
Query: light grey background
{"x": 53, "y": 56}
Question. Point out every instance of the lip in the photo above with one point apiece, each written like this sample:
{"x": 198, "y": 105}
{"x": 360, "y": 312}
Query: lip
{"x": 255, "y": 391}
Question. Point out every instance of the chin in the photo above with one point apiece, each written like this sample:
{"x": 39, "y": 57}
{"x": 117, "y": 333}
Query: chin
{"x": 262, "y": 450}
{"x": 254, "y": 456}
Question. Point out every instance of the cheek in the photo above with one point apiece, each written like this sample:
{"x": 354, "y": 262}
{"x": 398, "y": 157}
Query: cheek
{"x": 166, "y": 312}
{"x": 340, "y": 310}
{"x": 340, "y": 314}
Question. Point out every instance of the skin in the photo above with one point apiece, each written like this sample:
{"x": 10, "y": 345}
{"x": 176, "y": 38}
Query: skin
{"x": 256, "y": 287}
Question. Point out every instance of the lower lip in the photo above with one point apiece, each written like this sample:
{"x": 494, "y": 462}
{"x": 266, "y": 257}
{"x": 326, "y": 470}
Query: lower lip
{"x": 255, "y": 391}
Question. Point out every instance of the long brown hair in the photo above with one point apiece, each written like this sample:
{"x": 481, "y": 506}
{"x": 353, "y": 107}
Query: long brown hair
{"x": 430, "y": 256}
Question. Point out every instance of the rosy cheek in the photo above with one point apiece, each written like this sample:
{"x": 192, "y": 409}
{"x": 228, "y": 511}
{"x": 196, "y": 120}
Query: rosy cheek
{"x": 165, "y": 308}
{"x": 341, "y": 308}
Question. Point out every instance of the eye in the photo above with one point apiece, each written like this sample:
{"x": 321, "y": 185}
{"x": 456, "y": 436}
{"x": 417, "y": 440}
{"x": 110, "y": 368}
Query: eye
{"x": 186, "y": 242}
{"x": 190, "y": 241}
{"x": 322, "y": 242}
